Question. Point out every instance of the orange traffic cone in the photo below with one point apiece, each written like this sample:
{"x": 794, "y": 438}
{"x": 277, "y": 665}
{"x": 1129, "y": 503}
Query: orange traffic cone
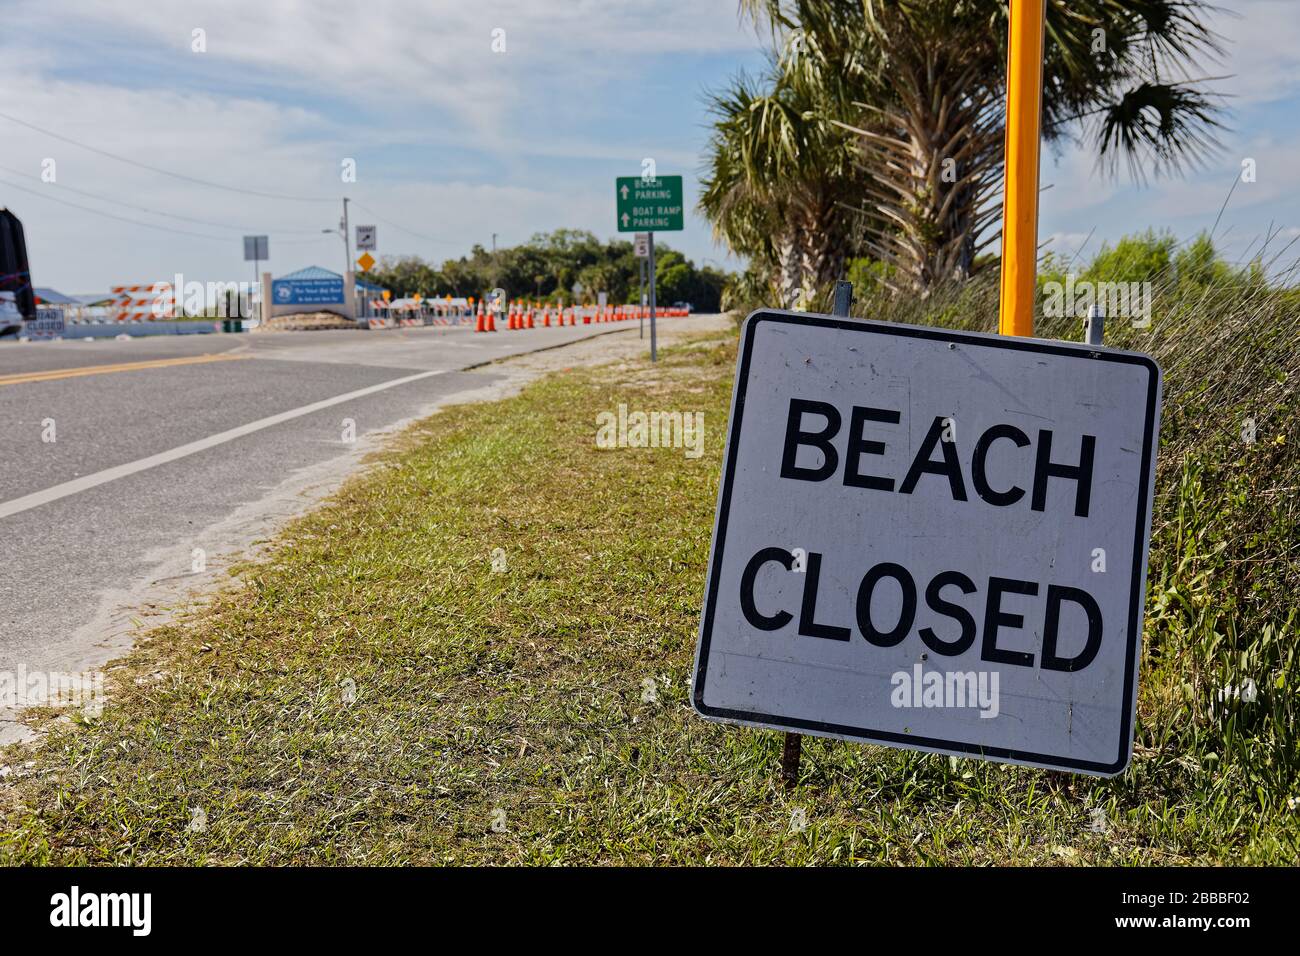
{"x": 480, "y": 325}
{"x": 530, "y": 319}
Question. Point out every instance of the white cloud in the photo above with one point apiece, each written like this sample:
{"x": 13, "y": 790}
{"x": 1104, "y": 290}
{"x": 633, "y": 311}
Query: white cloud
{"x": 287, "y": 88}
{"x": 1069, "y": 244}
{"x": 408, "y": 53}
{"x": 1262, "y": 51}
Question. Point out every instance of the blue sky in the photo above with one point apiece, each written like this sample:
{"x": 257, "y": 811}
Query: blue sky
{"x": 454, "y": 142}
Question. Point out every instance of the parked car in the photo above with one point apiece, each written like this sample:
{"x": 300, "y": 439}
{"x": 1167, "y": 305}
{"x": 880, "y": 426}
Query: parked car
{"x": 11, "y": 320}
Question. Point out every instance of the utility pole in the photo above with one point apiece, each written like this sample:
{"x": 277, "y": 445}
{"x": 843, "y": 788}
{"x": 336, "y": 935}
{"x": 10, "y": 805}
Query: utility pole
{"x": 347, "y": 240}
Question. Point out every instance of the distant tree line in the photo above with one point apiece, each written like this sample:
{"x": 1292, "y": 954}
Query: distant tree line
{"x": 549, "y": 267}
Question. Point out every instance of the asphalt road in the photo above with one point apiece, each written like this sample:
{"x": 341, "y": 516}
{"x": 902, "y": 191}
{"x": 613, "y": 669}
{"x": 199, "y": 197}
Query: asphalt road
{"x": 157, "y": 439}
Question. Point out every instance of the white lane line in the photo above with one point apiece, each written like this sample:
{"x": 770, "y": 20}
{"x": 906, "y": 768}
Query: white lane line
{"x": 38, "y": 498}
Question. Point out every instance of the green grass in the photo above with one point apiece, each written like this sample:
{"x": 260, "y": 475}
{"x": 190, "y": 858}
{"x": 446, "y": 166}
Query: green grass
{"x": 520, "y": 698}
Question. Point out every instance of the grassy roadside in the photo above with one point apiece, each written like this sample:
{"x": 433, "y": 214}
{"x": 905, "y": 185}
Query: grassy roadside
{"x": 376, "y": 693}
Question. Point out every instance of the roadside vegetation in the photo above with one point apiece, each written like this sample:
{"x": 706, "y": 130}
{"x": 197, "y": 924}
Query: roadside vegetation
{"x": 375, "y": 692}
{"x": 549, "y": 266}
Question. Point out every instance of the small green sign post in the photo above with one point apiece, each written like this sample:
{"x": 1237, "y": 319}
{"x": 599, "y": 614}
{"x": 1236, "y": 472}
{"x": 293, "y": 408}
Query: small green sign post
{"x": 649, "y": 204}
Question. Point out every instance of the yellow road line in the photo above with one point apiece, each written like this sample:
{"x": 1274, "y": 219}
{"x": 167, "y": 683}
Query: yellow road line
{"x": 52, "y": 374}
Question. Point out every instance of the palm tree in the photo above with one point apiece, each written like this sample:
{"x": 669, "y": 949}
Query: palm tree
{"x": 921, "y": 84}
{"x": 775, "y": 181}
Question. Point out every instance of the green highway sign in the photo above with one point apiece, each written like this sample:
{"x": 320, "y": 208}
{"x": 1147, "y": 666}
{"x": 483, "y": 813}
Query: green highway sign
{"x": 649, "y": 205}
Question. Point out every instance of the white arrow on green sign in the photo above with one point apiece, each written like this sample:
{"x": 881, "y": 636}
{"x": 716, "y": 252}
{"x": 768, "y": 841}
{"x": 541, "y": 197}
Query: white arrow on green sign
{"x": 649, "y": 205}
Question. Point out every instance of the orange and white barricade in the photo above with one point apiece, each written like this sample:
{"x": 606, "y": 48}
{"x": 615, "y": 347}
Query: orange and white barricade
{"x": 143, "y": 303}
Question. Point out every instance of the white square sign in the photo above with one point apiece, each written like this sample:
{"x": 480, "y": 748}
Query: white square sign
{"x": 934, "y": 540}
{"x": 366, "y": 236}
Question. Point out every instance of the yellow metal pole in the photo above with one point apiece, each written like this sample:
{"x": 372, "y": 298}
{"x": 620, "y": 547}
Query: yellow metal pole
{"x": 1020, "y": 203}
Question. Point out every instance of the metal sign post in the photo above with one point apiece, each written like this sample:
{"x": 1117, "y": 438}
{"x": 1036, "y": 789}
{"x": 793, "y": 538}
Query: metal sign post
{"x": 793, "y": 747}
{"x": 654, "y": 353}
{"x": 641, "y": 250}
{"x": 255, "y": 250}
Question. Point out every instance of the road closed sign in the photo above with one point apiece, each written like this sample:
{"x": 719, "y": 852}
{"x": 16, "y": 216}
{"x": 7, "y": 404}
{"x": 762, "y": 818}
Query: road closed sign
{"x": 933, "y": 540}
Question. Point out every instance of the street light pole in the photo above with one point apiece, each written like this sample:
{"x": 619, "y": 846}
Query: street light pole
{"x": 347, "y": 242}
{"x": 341, "y": 233}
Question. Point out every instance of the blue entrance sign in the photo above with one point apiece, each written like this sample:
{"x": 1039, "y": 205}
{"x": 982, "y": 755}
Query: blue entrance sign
{"x": 307, "y": 291}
